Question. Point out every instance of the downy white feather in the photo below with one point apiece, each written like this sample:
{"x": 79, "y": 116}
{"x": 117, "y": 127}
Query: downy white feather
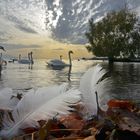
{"x": 6, "y": 102}
{"x": 90, "y": 83}
{"x": 36, "y": 106}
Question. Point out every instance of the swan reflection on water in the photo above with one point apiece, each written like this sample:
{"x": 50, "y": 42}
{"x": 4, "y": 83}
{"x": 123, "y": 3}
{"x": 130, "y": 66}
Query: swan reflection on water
{"x": 55, "y": 67}
{"x": 28, "y": 60}
{"x": 58, "y": 64}
{"x": 61, "y": 68}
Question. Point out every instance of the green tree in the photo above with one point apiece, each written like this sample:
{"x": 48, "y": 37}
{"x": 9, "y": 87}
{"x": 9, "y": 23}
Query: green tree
{"x": 117, "y": 33}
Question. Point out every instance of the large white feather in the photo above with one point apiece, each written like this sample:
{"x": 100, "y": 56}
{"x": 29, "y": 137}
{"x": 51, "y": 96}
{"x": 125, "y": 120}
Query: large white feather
{"x": 89, "y": 84}
{"x": 36, "y": 106}
{"x": 6, "y": 102}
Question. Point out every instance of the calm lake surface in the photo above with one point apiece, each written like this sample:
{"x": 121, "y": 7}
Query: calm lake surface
{"x": 125, "y": 77}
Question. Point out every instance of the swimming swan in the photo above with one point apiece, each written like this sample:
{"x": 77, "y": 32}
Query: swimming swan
{"x": 60, "y": 63}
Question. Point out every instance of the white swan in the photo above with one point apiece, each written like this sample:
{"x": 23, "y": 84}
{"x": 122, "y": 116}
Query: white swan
{"x": 60, "y": 63}
{"x": 26, "y": 61}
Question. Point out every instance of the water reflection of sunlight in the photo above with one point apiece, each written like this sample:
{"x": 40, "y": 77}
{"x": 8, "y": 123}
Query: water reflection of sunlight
{"x": 72, "y": 74}
{"x": 22, "y": 77}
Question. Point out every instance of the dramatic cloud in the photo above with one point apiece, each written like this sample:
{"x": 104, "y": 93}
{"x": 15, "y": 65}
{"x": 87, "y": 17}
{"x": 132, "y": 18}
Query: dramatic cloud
{"x": 21, "y": 25}
{"x": 26, "y": 29}
{"x": 18, "y": 46}
{"x": 64, "y": 20}
{"x": 68, "y": 20}
{"x": 19, "y": 17}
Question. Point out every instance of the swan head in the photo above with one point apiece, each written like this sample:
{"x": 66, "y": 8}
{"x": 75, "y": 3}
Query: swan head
{"x": 70, "y": 52}
{"x": 60, "y": 57}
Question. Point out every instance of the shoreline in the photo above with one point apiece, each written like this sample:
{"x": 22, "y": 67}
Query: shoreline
{"x": 115, "y": 59}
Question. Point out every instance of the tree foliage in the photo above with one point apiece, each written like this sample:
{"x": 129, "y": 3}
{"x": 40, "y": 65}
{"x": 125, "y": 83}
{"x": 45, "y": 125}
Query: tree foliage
{"x": 117, "y": 33}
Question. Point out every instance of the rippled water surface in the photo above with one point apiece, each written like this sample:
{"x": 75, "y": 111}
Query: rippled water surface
{"x": 126, "y": 80}
{"x": 21, "y": 76}
{"x": 125, "y": 77}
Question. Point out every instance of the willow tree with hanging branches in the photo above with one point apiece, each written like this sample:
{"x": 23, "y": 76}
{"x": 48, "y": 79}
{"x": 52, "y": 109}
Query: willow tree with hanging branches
{"x": 116, "y": 34}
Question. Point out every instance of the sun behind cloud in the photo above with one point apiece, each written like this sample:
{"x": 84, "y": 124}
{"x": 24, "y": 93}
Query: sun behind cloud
{"x": 45, "y": 48}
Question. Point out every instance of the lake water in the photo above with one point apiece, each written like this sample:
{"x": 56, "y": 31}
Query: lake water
{"x": 22, "y": 76}
{"x": 125, "y": 77}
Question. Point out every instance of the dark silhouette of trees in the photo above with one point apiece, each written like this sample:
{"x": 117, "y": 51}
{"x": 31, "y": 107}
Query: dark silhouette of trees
{"x": 117, "y": 34}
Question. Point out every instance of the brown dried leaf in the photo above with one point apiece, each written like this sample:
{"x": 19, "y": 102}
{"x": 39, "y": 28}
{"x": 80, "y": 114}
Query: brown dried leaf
{"x": 72, "y": 121}
{"x": 126, "y": 120}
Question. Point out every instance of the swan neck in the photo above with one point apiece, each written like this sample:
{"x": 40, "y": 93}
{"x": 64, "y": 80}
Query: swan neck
{"x": 19, "y": 57}
{"x": 70, "y": 63}
{"x": 31, "y": 57}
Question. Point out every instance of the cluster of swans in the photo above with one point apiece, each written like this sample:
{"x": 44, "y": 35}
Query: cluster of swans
{"x": 26, "y": 61}
{"x": 59, "y": 63}
{"x": 44, "y": 103}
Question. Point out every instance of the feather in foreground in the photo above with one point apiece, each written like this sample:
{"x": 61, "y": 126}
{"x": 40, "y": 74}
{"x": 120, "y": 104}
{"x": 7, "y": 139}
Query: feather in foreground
{"x": 36, "y": 106}
{"x": 93, "y": 81}
{"x": 6, "y": 100}
{"x": 46, "y": 102}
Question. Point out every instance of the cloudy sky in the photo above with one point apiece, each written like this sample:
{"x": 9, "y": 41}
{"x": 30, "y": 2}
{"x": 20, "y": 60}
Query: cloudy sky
{"x": 49, "y": 26}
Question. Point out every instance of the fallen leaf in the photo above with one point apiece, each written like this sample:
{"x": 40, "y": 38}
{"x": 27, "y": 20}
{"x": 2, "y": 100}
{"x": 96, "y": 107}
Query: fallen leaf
{"x": 72, "y": 121}
{"x": 123, "y": 104}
